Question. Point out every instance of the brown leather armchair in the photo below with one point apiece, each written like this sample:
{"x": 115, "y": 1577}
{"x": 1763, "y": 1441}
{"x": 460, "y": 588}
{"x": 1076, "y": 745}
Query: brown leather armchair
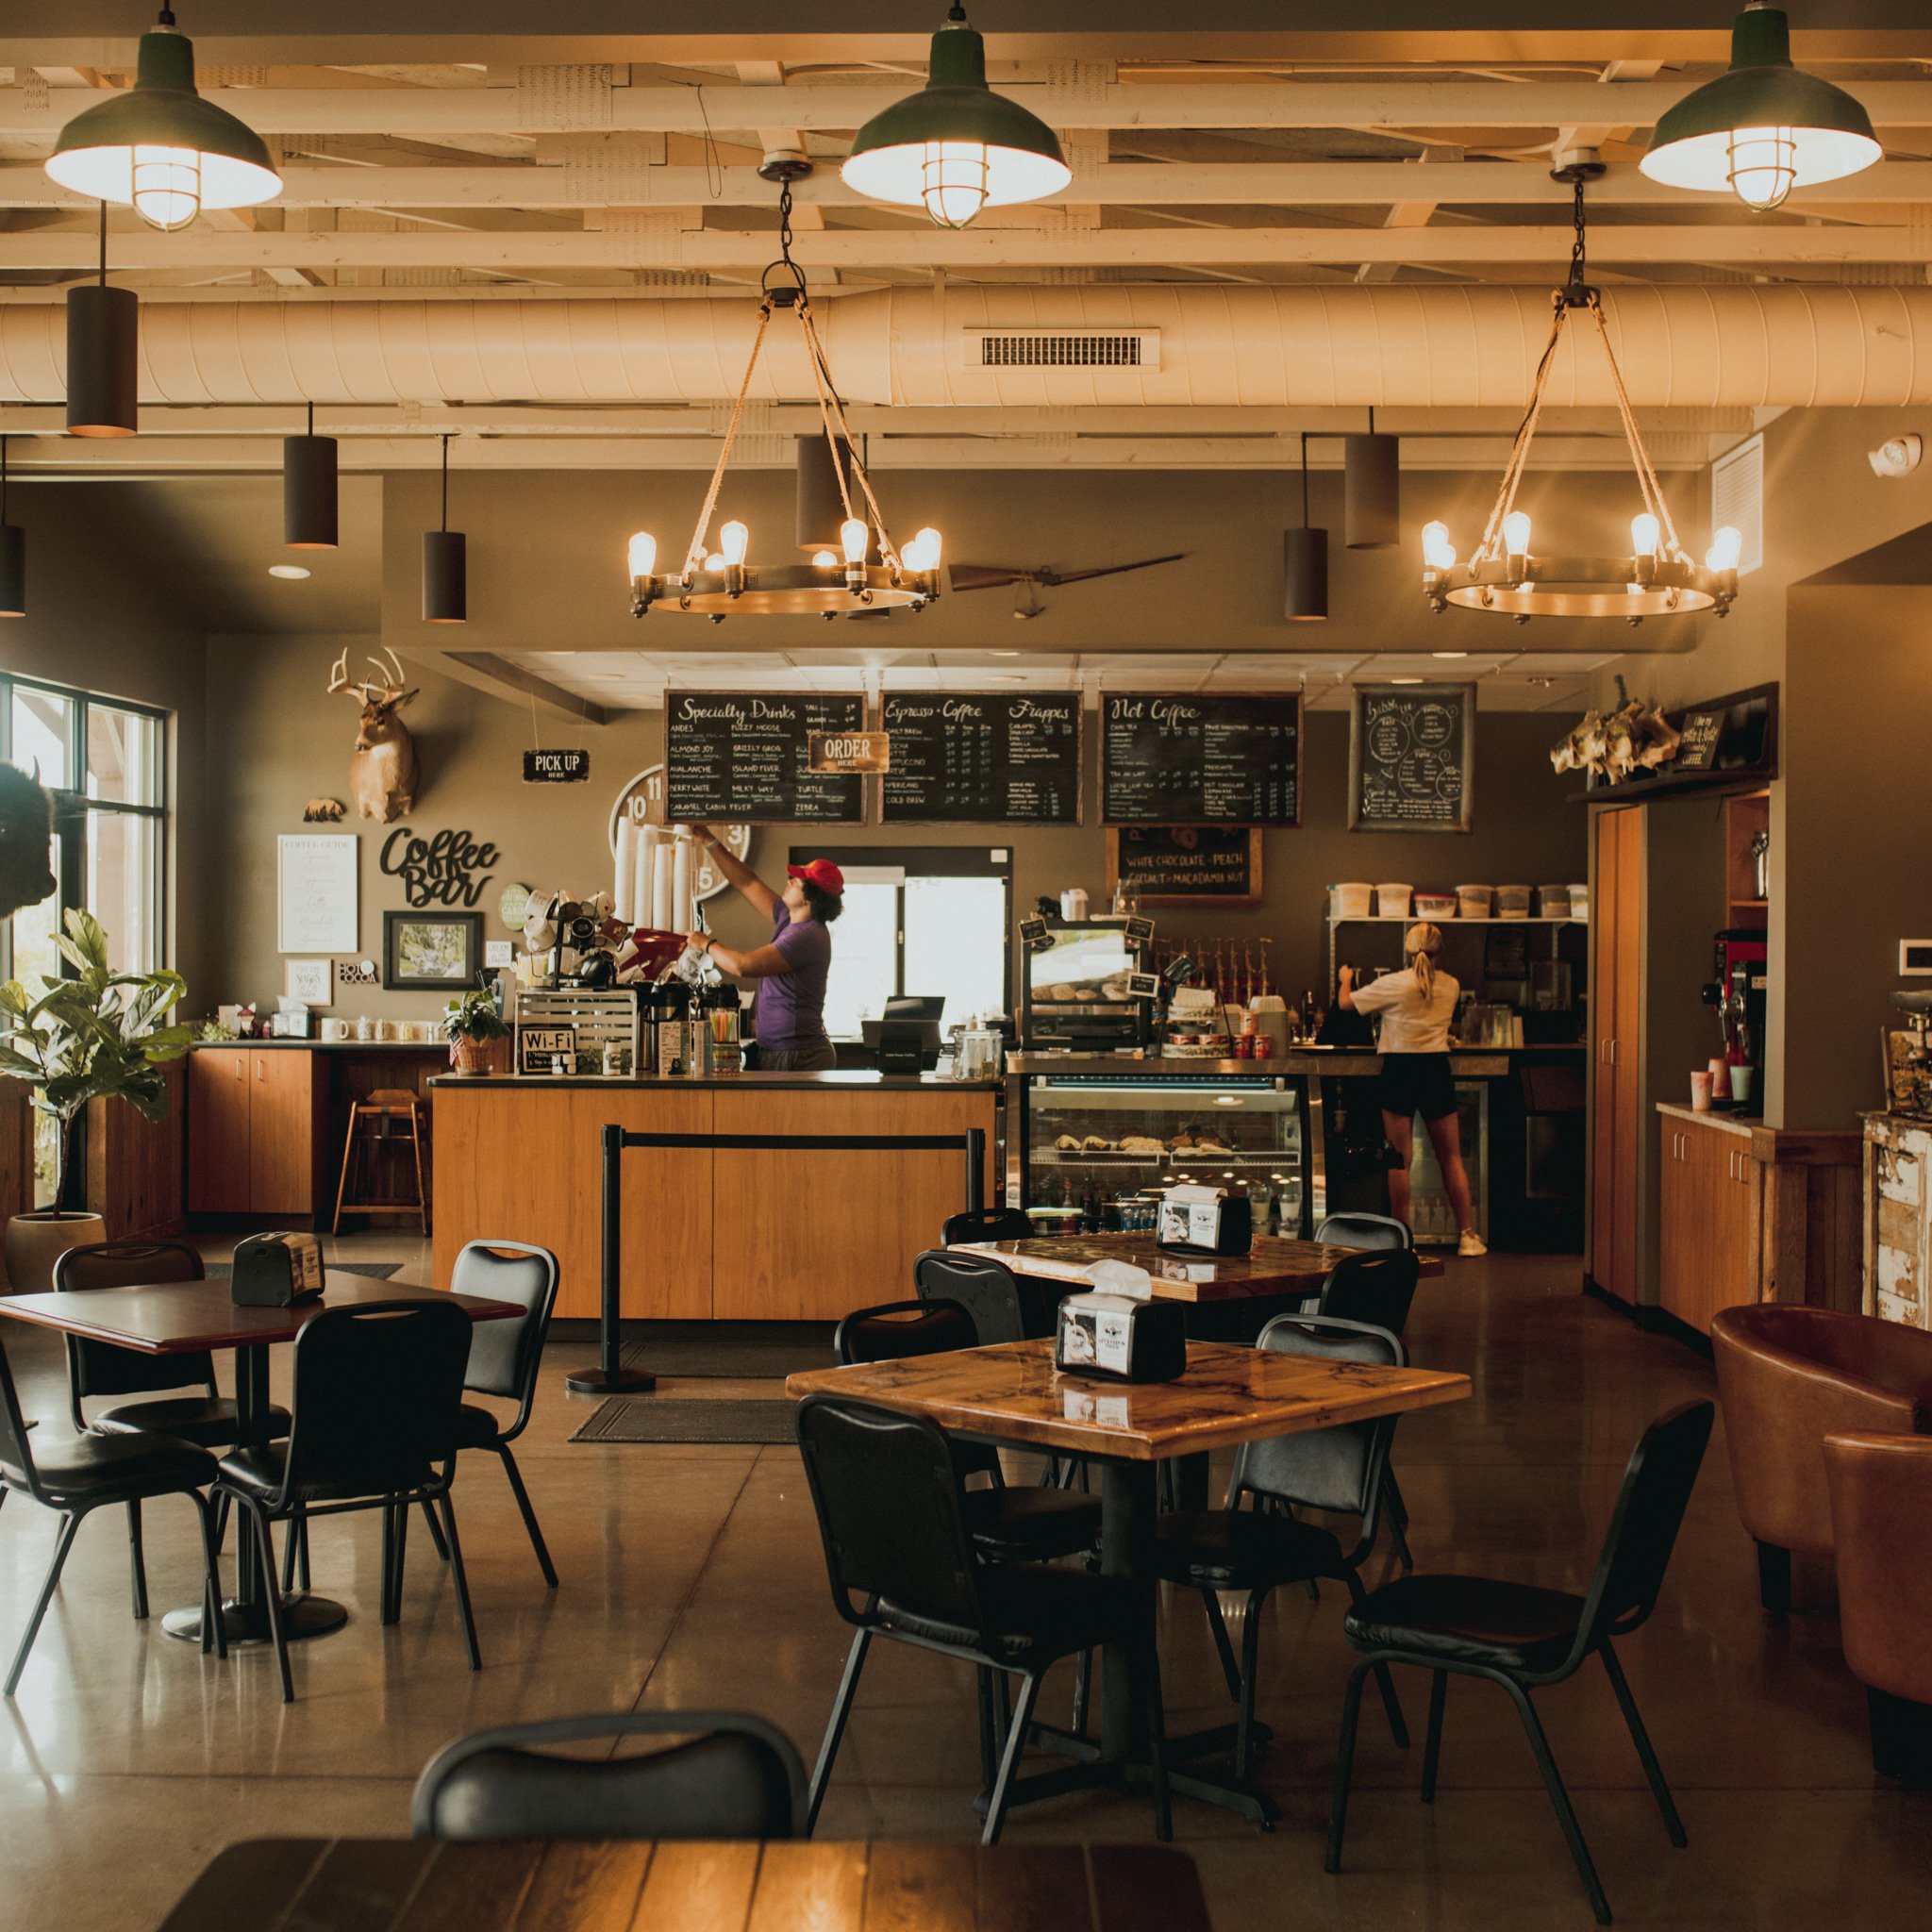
{"x": 1881, "y": 1503}
{"x": 1788, "y": 1378}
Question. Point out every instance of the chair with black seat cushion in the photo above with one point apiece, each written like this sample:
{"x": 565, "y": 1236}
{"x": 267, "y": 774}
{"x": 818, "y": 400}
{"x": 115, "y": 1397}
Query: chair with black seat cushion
{"x": 376, "y": 1390}
{"x": 1524, "y": 1636}
{"x": 986, "y": 1225}
{"x": 1255, "y": 1549}
{"x": 1365, "y": 1231}
{"x": 95, "y": 1473}
{"x": 890, "y": 1498}
{"x": 96, "y": 1369}
{"x": 734, "y": 1776}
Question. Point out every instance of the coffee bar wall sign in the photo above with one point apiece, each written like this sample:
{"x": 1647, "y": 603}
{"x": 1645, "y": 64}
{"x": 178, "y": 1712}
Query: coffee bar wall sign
{"x": 446, "y": 869}
{"x": 983, "y": 758}
{"x": 316, "y": 906}
{"x": 1193, "y": 759}
{"x": 1411, "y": 750}
{"x": 556, "y": 767}
{"x": 849, "y": 751}
{"x": 744, "y": 758}
{"x": 1187, "y": 865}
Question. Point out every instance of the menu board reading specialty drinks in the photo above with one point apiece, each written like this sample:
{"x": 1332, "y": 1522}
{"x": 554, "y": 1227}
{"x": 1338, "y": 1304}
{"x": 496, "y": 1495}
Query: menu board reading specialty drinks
{"x": 970, "y": 757}
{"x": 1196, "y": 759}
{"x": 744, "y": 758}
{"x": 1410, "y": 755}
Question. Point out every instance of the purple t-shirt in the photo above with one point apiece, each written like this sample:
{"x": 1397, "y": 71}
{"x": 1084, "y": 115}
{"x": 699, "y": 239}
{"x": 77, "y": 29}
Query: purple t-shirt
{"x": 791, "y": 1013}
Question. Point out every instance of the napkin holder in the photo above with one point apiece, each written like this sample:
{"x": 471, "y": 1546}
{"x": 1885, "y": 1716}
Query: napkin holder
{"x": 276, "y": 1270}
{"x": 1117, "y": 1329}
{"x": 1205, "y": 1221}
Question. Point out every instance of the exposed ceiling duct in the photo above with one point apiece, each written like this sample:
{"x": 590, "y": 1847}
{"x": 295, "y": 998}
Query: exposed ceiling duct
{"x": 1423, "y": 346}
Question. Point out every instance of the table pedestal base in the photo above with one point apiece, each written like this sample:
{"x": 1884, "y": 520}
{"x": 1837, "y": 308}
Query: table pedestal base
{"x": 246, "y": 1624}
{"x": 611, "y": 1382}
{"x": 1090, "y": 1769}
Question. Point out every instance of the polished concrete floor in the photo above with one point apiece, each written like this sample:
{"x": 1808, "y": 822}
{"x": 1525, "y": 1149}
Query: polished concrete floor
{"x": 691, "y": 1578}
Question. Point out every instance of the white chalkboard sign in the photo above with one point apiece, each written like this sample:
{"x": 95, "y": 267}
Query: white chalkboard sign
{"x": 1412, "y": 758}
{"x": 316, "y": 895}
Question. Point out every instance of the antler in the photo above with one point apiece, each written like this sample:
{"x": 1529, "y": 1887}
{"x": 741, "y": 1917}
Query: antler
{"x": 338, "y": 679}
{"x": 392, "y": 675}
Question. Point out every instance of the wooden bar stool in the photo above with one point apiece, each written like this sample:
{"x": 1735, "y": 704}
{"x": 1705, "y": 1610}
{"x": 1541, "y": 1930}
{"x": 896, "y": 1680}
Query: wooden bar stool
{"x": 371, "y": 1124}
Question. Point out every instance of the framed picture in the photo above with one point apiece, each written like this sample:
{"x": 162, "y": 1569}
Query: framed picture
{"x": 434, "y": 952}
{"x": 308, "y": 980}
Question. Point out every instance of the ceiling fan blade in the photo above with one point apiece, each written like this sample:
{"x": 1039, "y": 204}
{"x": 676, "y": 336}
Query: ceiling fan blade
{"x": 1054, "y": 577}
{"x": 983, "y": 576}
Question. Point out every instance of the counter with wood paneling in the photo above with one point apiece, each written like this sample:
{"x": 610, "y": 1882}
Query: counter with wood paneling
{"x": 729, "y": 1234}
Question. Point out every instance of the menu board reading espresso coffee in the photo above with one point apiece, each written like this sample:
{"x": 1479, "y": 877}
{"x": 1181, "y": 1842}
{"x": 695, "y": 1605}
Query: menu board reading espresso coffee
{"x": 1200, "y": 760}
{"x": 1410, "y": 749}
{"x": 974, "y": 759}
{"x": 744, "y": 758}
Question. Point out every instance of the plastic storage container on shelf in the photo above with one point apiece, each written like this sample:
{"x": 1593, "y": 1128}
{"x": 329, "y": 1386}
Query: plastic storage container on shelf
{"x": 1391, "y": 901}
{"x": 1351, "y": 901}
{"x": 1435, "y": 905}
{"x": 1473, "y": 902}
{"x": 1553, "y": 902}
{"x": 1579, "y": 902}
{"x": 1512, "y": 902}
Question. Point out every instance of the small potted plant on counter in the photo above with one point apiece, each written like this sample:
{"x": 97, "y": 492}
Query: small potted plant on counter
{"x": 471, "y": 1024}
{"x": 98, "y": 1035}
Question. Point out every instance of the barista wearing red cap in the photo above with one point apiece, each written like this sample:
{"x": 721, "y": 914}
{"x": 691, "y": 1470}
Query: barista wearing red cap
{"x": 790, "y": 1017}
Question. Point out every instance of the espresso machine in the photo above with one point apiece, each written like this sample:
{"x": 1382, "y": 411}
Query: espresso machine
{"x": 1737, "y": 993}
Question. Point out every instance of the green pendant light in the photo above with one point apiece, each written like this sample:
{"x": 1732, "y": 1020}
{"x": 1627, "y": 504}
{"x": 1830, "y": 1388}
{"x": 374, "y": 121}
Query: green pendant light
{"x": 1762, "y": 128}
{"x": 955, "y": 146}
{"x": 161, "y": 149}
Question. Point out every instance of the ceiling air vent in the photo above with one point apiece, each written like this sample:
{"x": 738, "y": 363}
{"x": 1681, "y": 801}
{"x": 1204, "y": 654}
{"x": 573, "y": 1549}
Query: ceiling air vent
{"x": 1053, "y": 348}
{"x": 1737, "y": 498}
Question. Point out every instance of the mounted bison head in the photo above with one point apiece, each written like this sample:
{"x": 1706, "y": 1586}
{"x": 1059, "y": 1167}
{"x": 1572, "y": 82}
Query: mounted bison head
{"x": 26, "y": 830}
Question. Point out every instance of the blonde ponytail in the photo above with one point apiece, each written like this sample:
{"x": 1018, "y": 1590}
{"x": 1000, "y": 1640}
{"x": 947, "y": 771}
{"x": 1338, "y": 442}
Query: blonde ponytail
{"x": 1421, "y": 947}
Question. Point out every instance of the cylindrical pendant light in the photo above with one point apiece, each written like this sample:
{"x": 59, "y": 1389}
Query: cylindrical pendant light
{"x": 12, "y": 553}
{"x": 308, "y": 490}
{"x": 445, "y": 565}
{"x": 1305, "y": 563}
{"x": 1372, "y": 491}
{"x": 103, "y": 355}
{"x": 821, "y": 508}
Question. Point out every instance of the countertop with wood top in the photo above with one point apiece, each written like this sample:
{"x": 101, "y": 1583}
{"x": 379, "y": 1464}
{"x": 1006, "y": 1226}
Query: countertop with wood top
{"x": 841, "y": 1081}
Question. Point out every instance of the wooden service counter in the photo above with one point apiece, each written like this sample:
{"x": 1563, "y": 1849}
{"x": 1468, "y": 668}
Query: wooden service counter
{"x": 729, "y": 1234}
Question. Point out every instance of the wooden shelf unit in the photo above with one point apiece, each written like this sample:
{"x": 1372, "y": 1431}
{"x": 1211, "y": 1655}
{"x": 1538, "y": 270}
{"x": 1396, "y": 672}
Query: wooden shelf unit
{"x": 1746, "y": 814}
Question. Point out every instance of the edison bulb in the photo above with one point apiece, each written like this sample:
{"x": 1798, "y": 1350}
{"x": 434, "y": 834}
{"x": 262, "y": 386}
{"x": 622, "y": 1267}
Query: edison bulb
{"x": 734, "y": 539}
{"x": 824, "y": 560}
{"x": 644, "y": 554}
{"x": 1763, "y": 166}
{"x": 1438, "y": 552}
{"x": 1516, "y": 533}
{"x": 716, "y": 561}
{"x": 853, "y": 537}
{"x": 1726, "y": 547}
{"x": 1646, "y": 533}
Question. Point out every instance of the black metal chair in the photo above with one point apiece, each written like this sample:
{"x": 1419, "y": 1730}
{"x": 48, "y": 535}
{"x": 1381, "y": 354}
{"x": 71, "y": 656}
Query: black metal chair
{"x": 986, "y": 1225}
{"x": 95, "y": 1472}
{"x": 376, "y": 1390}
{"x": 1365, "y": 1231}
{"x": 733, "y": 1778}
{"x": 890, "y": 1493}
{"x": 1524, "y": 1636}
{"x": 98, "y": 1369}
{"x": 1256, "y": 1549}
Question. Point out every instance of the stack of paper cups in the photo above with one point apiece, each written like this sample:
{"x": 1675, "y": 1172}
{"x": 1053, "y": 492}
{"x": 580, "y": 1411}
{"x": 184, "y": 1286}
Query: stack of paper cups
{"x": 646, "y": 895}
{"x": 680, "y": 880}
{"x": 661, "y": 917}
{"x": 624, "y": 898}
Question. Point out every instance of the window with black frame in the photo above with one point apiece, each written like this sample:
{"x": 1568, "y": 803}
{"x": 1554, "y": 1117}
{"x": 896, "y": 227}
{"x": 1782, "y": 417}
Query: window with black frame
{"x": 930, "y": 921}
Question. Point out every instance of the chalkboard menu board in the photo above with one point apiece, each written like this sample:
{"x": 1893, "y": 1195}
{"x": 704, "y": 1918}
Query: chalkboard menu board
{"x": 1193, "y": 759}
{"x": 973, "y": 759}
{"x": 744, "y": 758}
{"x": 1194, "y": 865}
{"x": 1411, "y": 750}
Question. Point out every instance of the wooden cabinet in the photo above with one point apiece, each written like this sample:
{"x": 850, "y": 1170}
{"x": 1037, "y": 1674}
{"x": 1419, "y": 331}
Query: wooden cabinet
{"x": 255, "y": 1130}
{"x": 1616, "y": 1140}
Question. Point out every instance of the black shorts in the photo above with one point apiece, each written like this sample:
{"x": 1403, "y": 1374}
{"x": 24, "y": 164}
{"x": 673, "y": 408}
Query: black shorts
{"x": 1416, "y": 1083}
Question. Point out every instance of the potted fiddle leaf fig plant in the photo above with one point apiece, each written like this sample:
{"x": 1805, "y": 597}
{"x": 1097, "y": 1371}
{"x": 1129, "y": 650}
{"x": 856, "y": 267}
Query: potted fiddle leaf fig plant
{"x": 469, "y": 1025}
{"x": 98, "y": 1035}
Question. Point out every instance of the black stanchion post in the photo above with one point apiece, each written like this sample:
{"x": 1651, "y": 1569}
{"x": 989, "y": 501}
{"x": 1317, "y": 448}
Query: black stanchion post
{"x": 610, "y": 1377}
{"x": 975, "y": 1169}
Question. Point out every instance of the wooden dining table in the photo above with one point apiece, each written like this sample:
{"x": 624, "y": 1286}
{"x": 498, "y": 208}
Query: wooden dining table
{"x": 1229, "y": 1395}
{"x": 184, "y": 1317}
{"x": 521, "y": 1885}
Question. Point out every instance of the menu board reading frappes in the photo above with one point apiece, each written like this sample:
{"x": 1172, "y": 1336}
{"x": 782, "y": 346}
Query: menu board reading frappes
{"x": 1195, "y": 759}
{"x": 983, "y": 758}
{"x": 744, "y": 758}
{"x": 1410, "y": 758}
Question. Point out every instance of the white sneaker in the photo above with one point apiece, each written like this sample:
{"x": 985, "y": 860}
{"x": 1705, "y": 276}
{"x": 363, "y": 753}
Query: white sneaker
{"x": 1470, "y": 1243}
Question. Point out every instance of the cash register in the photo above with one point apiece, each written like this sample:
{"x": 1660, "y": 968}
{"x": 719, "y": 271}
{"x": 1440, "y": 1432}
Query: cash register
{"x": 1087, "y": 986}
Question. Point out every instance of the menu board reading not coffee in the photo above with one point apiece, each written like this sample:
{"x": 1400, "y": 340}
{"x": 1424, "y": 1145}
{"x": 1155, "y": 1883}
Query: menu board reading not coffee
{"x": 744, "y": 758}
{"x": 1194, "y": 759}
{"x": 970, "y": 757}
{"x": 1410, "y": 754}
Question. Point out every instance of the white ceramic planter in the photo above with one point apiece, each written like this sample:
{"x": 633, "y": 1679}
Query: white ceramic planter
{"x": 34, "y": 1242}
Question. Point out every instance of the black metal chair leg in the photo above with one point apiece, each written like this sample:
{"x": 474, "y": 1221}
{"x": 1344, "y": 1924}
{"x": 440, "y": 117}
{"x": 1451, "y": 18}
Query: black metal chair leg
{"x": 1217, "y": 1624}
{"x": 1157, "y": 1749}
{"x": 388, "y": 1563}
{"x": 221, "y": 1522}
{"x": 989, "y": 1739}
{"x": 65, "y": 1543}
{"x": 1251, "y": 1657}
{"x": 1384, "y": 1682}
{"x": 215, "y": 1628}
{"x": 1646, "y": 1756}
{"x": 1002, "y": 1703}
{"x": 291, "y": 1543}
{"x": 265, "y": 1549}
{"x": 1083, "y": 1691}
{"x": 1009, "y": 1757}
{"x": 522, "y": 1497}
{"x": 835, "y": 1728}
{"x": 137, "y": 1560}
{"x": 302, "y": 1548}
{"x": 1344, "y": 1766}
{"x": 1398, "y": 1519}
{"x": 1566, "y": 1812}
{"x": 435, "y": 1531}
{"x": 448, "y": 1513}
{"x": 402, "y": 1563}
{"x": 1432, "y": 1748}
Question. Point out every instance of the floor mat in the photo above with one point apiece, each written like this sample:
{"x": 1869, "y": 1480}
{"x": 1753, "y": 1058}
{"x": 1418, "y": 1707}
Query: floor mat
{"x": 661, "y": 1419}
{"x": 727, "y": 1350}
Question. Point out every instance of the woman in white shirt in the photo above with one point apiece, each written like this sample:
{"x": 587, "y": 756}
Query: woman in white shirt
{"x": 1417, "y": 1005}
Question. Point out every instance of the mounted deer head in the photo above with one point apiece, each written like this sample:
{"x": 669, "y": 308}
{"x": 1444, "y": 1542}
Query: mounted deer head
{"x": 27, "y": 831}
{"x": 382, "y": 767}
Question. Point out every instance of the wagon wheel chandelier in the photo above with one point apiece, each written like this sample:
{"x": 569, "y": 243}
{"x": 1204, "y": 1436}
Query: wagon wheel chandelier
{"x": 720, "y": 583}
{"x": 1658, "y": 578}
